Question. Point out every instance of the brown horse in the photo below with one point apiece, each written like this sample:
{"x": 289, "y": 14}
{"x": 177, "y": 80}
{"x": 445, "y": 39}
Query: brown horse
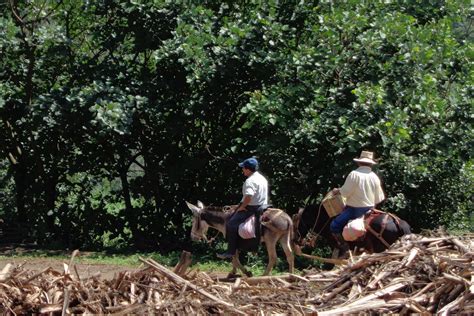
{"x": 384, "y": 229}
{"x": 276, "y": 226}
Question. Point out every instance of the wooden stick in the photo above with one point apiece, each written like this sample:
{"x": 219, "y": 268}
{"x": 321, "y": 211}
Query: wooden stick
{"x": 426, "y": 240}
{"x": 298, "y": 252}
{"x": 74, "y": 254}
{"x": 77, "y": 275}
{"x": 283, "y": 282}
{"x": 66, "y": 301}
{"x": 423, "y": 290}
{"x": 297, "y": 277}
{"x": 456, "y": 279}
{"x": 5, "y": 273}
{"x": 50, "y": 308}
{"x": 135, "y": 309}
{"x": 438, "y": 292}
{"x": 236, "y": 284}
{"x": 445, "y": 311}
{"x": 417, "y": 308}
{"x": 327, "y": 260}
{"x": 180, "y": 281}
{"x": 471, "y": 288}
{"x": 342, "y": 279}
{"x": 320, "y": 279}
{"x": 455, "y": 292}
{"x": 413, "y": 254}
{"x": 352, "y": 309}
{"x": 338, "y": 290}
{"x": 460, "y": 245}
{"x": 184, "y": 262}
{"x": 38, "y": 274}
{"x": 377, "y": 278}
{"x": 382, "y": 292}
{"x": 268, "y": 278}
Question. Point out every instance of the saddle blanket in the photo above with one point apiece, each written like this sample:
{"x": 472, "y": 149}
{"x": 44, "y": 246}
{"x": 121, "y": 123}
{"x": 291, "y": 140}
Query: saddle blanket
{"x": 247, "y": 228}
{"x": 354, "y": 229}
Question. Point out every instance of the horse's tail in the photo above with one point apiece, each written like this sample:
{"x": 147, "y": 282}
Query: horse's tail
{"x": 290, "y": 240}
{"x": 295, "y": 221}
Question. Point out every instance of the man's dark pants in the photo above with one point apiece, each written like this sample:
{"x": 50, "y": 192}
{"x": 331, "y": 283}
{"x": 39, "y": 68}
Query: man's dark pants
{"x": 349, "y": 212}
{"x": 232, "y": 227}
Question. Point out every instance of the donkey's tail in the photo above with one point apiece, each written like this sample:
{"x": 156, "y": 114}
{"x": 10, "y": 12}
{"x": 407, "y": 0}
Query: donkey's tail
{"x": 291, "y": 235}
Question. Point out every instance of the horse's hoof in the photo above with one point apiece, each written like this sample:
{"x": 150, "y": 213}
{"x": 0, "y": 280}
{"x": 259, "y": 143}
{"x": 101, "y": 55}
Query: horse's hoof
{"x": 248, "y": 274}
{"x": 233, "y": 276}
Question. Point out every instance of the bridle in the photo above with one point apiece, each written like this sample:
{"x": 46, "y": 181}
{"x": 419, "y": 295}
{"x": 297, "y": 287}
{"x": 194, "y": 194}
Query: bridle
{"x": 202, "y": 236}
{"x": 198, "y": 223}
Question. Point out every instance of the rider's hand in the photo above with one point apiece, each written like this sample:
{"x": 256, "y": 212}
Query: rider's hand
{"x": 335, "y": 191}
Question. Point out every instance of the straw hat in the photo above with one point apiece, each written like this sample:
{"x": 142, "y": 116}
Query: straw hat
{"x": 367, "y": 157}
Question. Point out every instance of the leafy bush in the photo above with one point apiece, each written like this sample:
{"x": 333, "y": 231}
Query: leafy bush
{"x": 113, "y": 113}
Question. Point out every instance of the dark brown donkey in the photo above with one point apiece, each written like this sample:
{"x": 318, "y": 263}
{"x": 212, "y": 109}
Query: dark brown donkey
{"x": 276, "y": 226}
{"x": 383, "y": 230}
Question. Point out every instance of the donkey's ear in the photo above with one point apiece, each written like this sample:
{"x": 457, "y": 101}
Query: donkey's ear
{"x": 196, "y": 210}
{"x": 200, "y": 204}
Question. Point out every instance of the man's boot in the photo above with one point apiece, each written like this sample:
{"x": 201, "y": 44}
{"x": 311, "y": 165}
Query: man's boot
{"x": 342, "y": 245}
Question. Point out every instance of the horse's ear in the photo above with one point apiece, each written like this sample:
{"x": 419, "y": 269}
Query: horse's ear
{"x": 196, "y": 210}
{"x": 200, "y": 204}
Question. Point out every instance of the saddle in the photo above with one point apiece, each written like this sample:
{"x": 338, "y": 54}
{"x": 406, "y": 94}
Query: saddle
{"x": 251, "y": 227}
{"x": 356, "y": 229}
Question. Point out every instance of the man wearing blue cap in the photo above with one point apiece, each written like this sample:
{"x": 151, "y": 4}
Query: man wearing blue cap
{"x": 255, "y": 194}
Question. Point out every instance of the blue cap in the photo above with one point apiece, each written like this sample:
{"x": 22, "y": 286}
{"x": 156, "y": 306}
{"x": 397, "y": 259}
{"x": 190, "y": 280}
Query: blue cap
{"x": 249, "y": 163}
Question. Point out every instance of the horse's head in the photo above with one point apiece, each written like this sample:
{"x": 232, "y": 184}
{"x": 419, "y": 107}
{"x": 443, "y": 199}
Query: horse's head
{"x": 311, "y": 223}
{"x": 200, "y": 226}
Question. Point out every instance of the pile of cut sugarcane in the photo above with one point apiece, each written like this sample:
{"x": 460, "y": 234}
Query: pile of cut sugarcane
{"x": 418, "y": 274}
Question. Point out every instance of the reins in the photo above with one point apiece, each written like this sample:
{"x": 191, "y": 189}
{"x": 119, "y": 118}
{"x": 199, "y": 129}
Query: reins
{"x": 210, "y": 241}
{"x": 204, "y": 236}
{"x": 310, "y": 233}
{"x": 197, "y": 228}
{"x": 306, "y": 241}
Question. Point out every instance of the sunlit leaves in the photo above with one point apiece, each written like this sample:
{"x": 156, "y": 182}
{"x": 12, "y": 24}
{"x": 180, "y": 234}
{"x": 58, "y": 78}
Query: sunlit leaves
{"x": 186, "y": 90}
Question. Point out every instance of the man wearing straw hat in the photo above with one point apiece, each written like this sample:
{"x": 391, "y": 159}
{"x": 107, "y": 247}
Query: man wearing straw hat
{"x": 362, "y": 191}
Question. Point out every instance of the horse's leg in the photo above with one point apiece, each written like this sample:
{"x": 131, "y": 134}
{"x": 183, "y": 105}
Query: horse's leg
{"x": 365, "y": 244}
{"x": 236, "y": 264}
{"x": 233, "y": 272}
{"x": 270, "y": 242}
{"x": 285, "y": 243}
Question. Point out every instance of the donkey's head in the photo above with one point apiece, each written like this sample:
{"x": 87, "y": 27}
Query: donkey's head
{"x": 200, "y": 226}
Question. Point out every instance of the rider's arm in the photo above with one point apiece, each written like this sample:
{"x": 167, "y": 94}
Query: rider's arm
{"x": 379, "y": 194}
{"x": 348, "y": 188}
{"x": 244, "y": 203}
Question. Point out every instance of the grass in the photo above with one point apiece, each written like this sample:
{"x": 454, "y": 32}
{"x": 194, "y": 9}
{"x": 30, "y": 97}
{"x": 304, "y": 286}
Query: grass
{"x": 204, "y": 258}
{"x": 203, "y": 262}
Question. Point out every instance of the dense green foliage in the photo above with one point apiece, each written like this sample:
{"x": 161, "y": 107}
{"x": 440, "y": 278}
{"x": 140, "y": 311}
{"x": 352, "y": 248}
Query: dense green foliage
{"x": 113, "y": 113}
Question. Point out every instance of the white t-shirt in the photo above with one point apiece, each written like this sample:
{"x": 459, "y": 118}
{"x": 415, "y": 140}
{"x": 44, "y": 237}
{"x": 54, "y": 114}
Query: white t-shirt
{"x": 257, "y": 187}
{"x": 362, "y": 188}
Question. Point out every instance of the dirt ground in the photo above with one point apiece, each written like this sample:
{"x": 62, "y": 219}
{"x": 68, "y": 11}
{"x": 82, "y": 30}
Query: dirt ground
{"x": 85, "y": 270}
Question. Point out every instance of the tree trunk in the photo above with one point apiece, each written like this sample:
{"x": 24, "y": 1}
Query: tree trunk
{"x": 19, "y": 172}
{"x": 130, "y": 213}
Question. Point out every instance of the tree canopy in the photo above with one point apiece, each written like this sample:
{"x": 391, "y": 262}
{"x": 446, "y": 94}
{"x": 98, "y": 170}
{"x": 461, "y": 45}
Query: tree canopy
{"x": 113, "y": 113}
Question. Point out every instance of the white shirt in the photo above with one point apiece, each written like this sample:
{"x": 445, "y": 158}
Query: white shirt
{"x": 362, "y": 188}
{"x": 257, "y": 187}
